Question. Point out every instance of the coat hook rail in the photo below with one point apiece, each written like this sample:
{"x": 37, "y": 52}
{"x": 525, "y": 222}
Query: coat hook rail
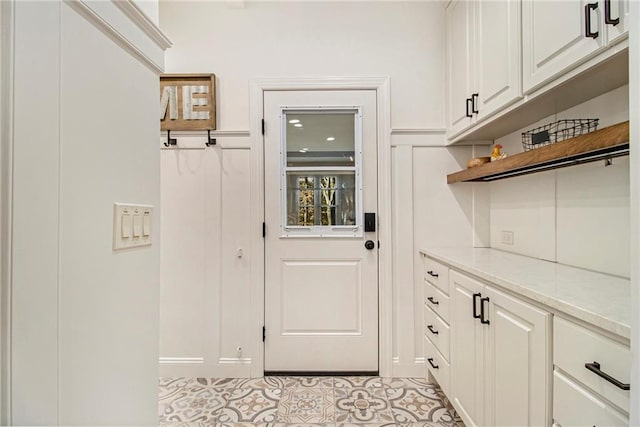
{"x": 170, "y": 141}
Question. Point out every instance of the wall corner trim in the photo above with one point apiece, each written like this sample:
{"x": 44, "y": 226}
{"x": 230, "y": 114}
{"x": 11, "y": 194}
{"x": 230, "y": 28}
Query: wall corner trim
{"x": 143, "y": 22}
{"x": 152, "y": 58}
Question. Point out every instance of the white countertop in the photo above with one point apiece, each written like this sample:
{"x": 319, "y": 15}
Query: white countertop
{"x": 596, "y": 298}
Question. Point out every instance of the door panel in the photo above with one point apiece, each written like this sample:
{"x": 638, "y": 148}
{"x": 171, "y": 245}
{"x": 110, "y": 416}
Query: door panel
{"x": 328, "y": 286}
{"x": 498, "y": 39}
{"x": 518, "y": 362}
{"x": 554, "y": 39}
{"x": 459, "y": 32}
{"x": 467, "y": 350}
{"x": 321, "y": 283}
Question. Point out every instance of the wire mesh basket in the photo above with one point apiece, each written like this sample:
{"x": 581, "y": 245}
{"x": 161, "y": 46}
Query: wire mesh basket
{"x": 556, "y": 132}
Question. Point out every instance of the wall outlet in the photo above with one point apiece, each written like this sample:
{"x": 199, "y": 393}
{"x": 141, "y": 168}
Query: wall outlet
{"x": 507, "y": 237}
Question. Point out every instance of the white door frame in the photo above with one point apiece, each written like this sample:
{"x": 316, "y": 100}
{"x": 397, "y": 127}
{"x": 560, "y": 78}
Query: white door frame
{"x": 256, "y": 307}
{"x": 6, "y": 150}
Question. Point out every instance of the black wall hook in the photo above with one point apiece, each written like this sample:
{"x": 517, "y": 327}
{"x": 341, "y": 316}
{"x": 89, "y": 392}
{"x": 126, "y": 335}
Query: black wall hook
{"x": 170, "y": 141}
{"x": 210, "y": 141}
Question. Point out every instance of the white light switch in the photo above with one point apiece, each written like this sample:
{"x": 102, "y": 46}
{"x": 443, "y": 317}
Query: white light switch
{"x": 146, "y": 224}
{"x": 126, "y": 226}
{"x": 131, "y": 225}
{"x": 137, "y": 225}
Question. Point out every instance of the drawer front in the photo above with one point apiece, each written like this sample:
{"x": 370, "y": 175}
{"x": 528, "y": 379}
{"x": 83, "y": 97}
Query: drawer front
{"x": 437, "y": 274}
{"x": 435, "y": 363}
{"x": 437, "y": 331}
{"x": 436, "y": 300}
{"x": 574, "y": 346}
{"x": 574, "y": 405}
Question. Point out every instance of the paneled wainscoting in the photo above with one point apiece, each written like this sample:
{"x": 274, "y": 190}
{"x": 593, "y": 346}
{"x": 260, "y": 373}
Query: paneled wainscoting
{"x": 308, "y": 401}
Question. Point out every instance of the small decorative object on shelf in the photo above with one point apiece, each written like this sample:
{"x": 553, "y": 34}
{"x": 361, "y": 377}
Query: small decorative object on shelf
{"x": 556, "y": 132}
{"x": 496, "y": 154}
{"x": 477, "y": 161}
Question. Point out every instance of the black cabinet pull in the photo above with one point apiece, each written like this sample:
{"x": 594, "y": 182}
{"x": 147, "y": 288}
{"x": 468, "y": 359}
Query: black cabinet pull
{"x": 433, "y": 301}
{"x": 482, "y": 319}
{"x": 607, "y": 14}
{"x": 432, "y": 274}
{"x": 474, "y": 107}
{"x": 595, "y": 368}
{"x": 475, "y": 304}
{"x": 433, "y": 331}
{"x": 430, "y": 360}
{"x": 469, "y": 105}
{"x": 587, "y": 20}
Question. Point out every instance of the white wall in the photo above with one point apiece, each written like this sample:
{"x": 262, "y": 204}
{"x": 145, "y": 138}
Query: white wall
{"x": 577, "y": 216}
{"x": 84, "y": 318}
{"x": 427, "y": 213}
{"x": 206, "y": 291}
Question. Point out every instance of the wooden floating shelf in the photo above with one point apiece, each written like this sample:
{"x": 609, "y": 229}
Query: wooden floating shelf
{"x": 606, "y": 143}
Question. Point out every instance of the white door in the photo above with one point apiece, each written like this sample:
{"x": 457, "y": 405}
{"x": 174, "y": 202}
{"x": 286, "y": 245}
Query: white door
{"x": 321, "y": 282}
{"x": 518, "y": 362}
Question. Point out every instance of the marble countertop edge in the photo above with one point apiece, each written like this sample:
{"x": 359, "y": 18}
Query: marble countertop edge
{"x": 596, "y": 298}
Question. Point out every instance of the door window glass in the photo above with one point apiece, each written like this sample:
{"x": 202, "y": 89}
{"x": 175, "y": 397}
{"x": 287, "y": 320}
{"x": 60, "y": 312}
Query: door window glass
{"x": 321, "y": 176}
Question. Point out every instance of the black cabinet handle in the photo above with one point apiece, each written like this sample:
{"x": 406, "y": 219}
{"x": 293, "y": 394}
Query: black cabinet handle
{"x": 482, "y": 319}
{"x": 430, "y": 360}
{"x": 595, "y": 368}
{"x": 474, "y": 107}
{"x": 587, "y": 20}
{"x": 433, "y": 301}
{"x": 433, "y": 331}
{"x": 469, "y": 105}
{"x": 475, "y": 304}
{"x": 432, "y": 274}
{"x": 607, "y": 14}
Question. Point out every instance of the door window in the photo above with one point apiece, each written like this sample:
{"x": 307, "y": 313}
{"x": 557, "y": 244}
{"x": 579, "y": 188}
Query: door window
{"x": 321, "y": 181}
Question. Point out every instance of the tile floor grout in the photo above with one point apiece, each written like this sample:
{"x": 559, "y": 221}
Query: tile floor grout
{"x": 303, "y": 401}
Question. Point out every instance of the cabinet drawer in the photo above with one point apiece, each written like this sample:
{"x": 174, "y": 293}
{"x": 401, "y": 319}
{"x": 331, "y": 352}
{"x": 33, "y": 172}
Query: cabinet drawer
{"x": 437, "y": 300}
{"x": 437, "y": 331}
{"x": 574, "y": 405}
{"x": 433, "y": 358}
{"x": 437, "y": 274}
{"x": 574, "y": 345}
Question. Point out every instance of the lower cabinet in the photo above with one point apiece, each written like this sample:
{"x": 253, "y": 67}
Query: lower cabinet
{"x": 590, "y": 378}
{"x": 500, "y": 357}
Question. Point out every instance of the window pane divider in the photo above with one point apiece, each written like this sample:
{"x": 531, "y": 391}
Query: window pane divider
{"x": 320, "y": 169}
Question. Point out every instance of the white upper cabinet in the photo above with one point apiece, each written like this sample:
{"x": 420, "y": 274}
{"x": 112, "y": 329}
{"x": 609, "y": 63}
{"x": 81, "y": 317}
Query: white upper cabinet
{"x": 459, "y": 57}
{"x": 483, "y": 51}
{"x": 497, "y": 66}
{"x": 559, "y": 35}
{"x": 616, "y": 19}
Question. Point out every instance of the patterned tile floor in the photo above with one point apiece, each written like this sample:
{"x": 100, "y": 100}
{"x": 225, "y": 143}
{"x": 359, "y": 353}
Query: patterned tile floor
{"x": 303, "y": 401}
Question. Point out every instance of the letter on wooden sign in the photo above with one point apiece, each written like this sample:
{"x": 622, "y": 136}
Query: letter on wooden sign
{"x": 169, "y": 98}
{"x": 188, "y": 102}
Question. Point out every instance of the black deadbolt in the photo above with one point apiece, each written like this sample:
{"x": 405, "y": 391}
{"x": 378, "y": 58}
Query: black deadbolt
{"x": 369, "y": 244}
{"x": 369, "y": 222}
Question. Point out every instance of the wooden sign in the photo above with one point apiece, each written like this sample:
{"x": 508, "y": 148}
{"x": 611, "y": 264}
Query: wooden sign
{"x": 187, "y": 102}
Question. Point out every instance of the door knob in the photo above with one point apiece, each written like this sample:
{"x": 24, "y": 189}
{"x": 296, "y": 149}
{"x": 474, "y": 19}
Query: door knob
{"x": 369, "y": 244}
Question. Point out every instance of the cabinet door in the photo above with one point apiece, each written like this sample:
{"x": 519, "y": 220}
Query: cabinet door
{"x": 459, "y": 57}
{"x": 619, "y": 9}
{"x": 467, "y": 351}
{"x": 518, "y": 362}
{"x": 497, "y": 65}
{"x": 554, "y": 39}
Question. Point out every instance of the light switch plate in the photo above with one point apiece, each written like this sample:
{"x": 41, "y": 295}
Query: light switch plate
{"x": 128, "y": 233}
